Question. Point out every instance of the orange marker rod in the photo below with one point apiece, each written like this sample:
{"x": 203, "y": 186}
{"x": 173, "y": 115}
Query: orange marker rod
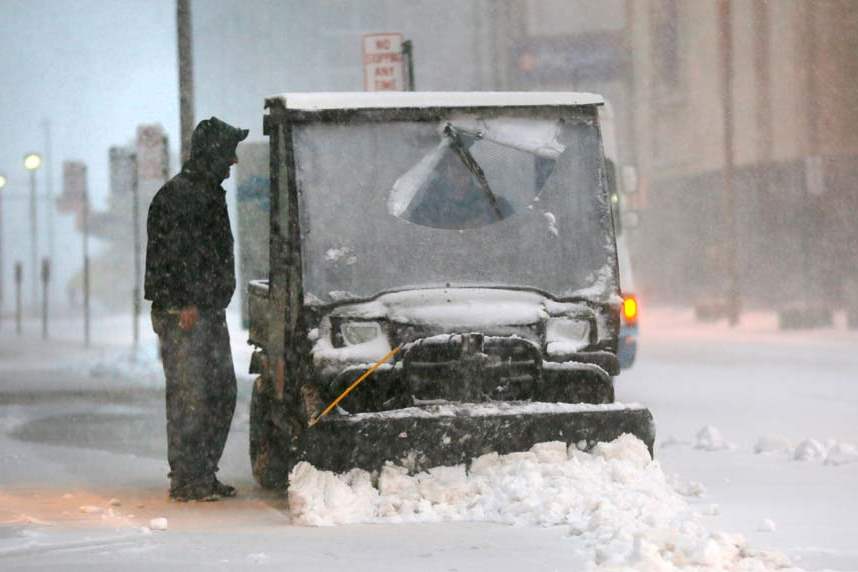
{"x": 357, "y": 382}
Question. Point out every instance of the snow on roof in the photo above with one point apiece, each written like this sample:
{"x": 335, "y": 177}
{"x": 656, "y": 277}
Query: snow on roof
{"x": 418, "y": 99}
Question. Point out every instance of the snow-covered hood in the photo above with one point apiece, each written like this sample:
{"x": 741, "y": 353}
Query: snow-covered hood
{"x": 459, "y": 309}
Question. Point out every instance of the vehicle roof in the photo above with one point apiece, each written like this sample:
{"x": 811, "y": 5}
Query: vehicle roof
{"x": 428, "y": 99}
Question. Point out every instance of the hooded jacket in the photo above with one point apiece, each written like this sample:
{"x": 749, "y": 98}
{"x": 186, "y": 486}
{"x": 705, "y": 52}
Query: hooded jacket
{"x": 189, "y": 253}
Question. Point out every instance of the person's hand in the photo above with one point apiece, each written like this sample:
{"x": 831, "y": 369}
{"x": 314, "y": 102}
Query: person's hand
{"x": 188, "y": 318}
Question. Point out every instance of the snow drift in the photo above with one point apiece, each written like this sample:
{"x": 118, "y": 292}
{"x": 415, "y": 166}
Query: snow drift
{"x": 617, "y": 504}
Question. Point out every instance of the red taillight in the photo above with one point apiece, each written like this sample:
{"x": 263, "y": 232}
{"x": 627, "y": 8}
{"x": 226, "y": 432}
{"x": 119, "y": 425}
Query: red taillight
{"x": 630, "y": 308}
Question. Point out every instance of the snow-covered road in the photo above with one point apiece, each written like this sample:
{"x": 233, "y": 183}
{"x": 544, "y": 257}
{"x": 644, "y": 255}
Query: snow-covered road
{"x": 750, "y": 383}
{"x": 72, "y": 442}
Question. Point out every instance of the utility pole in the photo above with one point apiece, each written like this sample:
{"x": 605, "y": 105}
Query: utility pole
{"x": 814, "y": 180}
{"x": 186, "y": 75}
{"x": 135, "y": 213}
{"x": 732, "y": 271}
{"x": 32, "y": 162}
{"x": 46, "y": 283}
{"x": 19, "y": 277}
{"x": 2, "y": 276}
{"x": 34, "y": 237}
{"x": 49, "y": 189}
{"x": 85, "y": 225}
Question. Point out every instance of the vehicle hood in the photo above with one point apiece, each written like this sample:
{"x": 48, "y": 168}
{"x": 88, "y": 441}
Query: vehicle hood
{"x": 458, "y": 309}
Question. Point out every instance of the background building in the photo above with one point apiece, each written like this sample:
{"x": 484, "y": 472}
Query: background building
{"x": 659, "y": 63}
{"x": 794, "y": 98}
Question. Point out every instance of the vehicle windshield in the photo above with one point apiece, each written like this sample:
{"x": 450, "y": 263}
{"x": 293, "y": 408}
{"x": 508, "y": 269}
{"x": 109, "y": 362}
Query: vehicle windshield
{"x": 504, "y": 200}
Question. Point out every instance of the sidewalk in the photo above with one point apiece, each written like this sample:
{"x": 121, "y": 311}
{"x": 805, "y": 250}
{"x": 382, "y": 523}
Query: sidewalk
{"x": 62, "y": 363}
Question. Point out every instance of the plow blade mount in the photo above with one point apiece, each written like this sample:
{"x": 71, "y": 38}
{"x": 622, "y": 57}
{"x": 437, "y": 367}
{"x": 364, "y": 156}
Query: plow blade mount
{"x": 422, "y": 437}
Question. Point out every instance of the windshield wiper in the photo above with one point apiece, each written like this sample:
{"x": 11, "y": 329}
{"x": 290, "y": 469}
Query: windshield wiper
{"x": 458, "y": 144}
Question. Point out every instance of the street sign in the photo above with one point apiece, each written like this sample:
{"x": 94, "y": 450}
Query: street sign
{"x": 74, "y": 187}
{"x": 123, "y": 170}
{"x": 382, "y": 62}
{"x": 152, "y": 159}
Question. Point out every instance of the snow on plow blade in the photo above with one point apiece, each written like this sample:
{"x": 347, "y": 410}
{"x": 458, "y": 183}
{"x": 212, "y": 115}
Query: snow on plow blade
{"x": 422, "y": 437}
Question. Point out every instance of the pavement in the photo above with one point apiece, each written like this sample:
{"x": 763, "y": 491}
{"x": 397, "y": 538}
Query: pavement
{"x": 83, "y": 449}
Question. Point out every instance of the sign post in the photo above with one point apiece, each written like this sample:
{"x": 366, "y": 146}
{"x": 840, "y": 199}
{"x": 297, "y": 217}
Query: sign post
{"x": 383, "y": 68}
{"x": 75, "y": 199}
{"x": 19, "y": 277}
{"x": 408, "y": 54}
{"x": 46, "y": 282}
{"x": 86, "y": 285}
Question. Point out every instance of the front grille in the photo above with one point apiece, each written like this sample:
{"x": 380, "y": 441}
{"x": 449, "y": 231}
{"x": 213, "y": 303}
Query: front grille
{"x": 472, "y": 367}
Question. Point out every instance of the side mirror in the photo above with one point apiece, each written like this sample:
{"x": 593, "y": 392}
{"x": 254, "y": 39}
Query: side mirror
{"x": 630, "y": 179}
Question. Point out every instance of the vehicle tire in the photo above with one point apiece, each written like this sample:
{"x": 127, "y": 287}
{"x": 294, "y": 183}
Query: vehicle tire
{"x": 269, "y": 469}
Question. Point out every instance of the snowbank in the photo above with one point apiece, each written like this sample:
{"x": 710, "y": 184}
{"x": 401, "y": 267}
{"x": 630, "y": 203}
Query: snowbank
{"x": 620, "y": 508}
{"x": 709, "y": 438}
{"x": 831, "y": 452}
{"x": 143, "y": 365}
{"x": 772, "y": 444}
{"x": 841, "y": 453}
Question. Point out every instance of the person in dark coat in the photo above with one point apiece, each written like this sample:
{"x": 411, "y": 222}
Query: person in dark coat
{"x": 190, "y": 279}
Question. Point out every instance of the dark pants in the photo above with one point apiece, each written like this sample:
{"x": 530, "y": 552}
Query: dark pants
{"x": 201, "y": 392}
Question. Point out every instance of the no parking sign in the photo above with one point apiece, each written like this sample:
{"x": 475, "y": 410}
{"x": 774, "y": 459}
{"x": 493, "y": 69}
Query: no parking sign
{"x": 382, "y": 62}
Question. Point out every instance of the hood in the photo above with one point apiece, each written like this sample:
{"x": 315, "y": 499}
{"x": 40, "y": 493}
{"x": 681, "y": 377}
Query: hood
{"x": 458, "y": 309}
{"x": 213, "y": 145}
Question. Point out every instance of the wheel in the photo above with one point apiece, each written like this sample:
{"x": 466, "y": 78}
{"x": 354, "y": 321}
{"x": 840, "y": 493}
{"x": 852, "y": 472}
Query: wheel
{"x": 269, "y": 468}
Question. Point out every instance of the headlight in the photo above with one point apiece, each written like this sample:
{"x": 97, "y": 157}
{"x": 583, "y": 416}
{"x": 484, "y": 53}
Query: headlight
{"x": 356, "y": 333}
{"x": 567, "y": 334}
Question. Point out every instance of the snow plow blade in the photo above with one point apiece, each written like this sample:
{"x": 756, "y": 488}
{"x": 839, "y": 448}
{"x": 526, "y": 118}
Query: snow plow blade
{"x": 428, "y": 436}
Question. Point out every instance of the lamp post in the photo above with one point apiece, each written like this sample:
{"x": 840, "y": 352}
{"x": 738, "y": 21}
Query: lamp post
{"x": 86, "y": 325}
{"x": 2, "y": 185}
{"x": 32, "y": 162}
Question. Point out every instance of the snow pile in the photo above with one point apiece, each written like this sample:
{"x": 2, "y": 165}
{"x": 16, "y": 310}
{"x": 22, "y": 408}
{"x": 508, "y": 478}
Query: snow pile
{"x": 551, "y": 222}
{"x": 618, "y": 505}
{"x": 809, "y": 450}
{"x": 830, "y": 453}
{"x": 709, "y": 438}
{"x": 258, "y": 558}
{"x": 142, "y": 364}
{"x": 687, "y": 488}
{"x": 841, "y": 453}
{"x": 772, "y": 444}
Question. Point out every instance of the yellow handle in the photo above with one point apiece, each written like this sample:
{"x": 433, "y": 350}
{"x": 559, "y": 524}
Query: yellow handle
{"x": 357, "y": 382}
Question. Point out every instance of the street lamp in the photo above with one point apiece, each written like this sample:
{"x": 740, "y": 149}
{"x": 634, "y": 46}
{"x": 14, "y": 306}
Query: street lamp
{"x": 32, "y": 161}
